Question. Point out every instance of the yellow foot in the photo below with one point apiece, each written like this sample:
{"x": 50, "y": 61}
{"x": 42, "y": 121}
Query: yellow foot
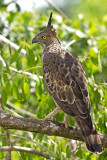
{"x": 65, "y": 122}
{"x": 49, "y": 118}
{"x": 51, "y": 115}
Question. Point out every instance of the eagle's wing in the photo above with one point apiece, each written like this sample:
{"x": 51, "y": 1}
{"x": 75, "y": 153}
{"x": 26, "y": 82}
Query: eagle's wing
{"x": 66, "y": 82}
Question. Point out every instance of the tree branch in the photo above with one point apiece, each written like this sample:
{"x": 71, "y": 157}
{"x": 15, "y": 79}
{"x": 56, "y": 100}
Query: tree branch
{"x": 42, "y": 126}
{"x": 31, "y": 75}
{"x": 25, "y": 149}
{"x": 13, "y": 45}
{"x": 7, "y": 134}
{"x": 70, "y": 43}
{"x": 58, "y": 10}
{"x": 20, "y": 109}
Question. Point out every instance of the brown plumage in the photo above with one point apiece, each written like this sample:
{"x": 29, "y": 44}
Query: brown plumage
{"x": 66, "y": 82}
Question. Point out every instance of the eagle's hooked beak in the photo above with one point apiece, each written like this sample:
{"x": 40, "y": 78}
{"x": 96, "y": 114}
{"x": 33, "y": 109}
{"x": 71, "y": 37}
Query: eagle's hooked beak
{"x": 34, "y": 40}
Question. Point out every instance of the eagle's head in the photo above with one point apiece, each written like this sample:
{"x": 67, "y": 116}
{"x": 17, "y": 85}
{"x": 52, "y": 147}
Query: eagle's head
{"x": 47, "y": 36}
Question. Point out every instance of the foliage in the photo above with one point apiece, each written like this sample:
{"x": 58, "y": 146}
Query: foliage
{"x": 91, "y": 47}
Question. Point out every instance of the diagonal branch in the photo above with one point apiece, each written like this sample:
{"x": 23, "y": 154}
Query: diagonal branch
{"x": 20, "y": 109}
{"x": 42, "y": 126}
{"x": 13, "y": 45}
{"x": 25, "y": 149}
{"x": 70, "y": 43}
{"x": 31, "y": 75}
{"x": 58, "y": 10}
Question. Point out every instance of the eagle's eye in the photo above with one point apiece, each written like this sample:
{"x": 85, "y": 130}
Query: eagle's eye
{"x": 44, "y": 37}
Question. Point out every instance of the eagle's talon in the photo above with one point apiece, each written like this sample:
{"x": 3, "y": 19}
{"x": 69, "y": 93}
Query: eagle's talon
{"x": 54, "y": 119}
{"x": 70, "y": 127}
{"x": 65, "y": 122}
{"x": 49, "y": 119}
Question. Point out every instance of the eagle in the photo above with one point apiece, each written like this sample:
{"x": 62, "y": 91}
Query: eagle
{"x": 66, "y": 83}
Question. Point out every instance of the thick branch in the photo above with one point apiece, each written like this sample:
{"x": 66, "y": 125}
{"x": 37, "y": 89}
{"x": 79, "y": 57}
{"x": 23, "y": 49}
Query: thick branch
{"x": 42, "y": 126}
{"x": 25, "y": 149}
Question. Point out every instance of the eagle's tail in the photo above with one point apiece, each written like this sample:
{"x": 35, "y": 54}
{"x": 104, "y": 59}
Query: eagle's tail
{"x": 91, "y": 137}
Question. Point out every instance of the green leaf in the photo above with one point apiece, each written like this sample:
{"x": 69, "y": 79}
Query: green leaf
{"x": 99, "y": 62}
{"x": 30, "y": 58}
{"x": 1, "y": 66}
{"x": 19, "y": 64}
{"x": 16, "y": 94}
{"x": 8, "y": 88}
{"x": 14, "y": 57}
{"x": 26, "y": 89}
{"x": 4, "y": 97}
{"x": 7, "y": 68}
{"x": 23, "y": 155}
{"x": 68, "y": 152}
{"x": 18, "y": 7}
{"x": 4, "y": 143}
{"x": 5, "y": 77}
{"x": 38, "y": 90}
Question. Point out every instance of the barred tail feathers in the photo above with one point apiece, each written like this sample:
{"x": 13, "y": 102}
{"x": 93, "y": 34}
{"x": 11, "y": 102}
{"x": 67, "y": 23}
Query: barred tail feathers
{"x": 90, "y": 135}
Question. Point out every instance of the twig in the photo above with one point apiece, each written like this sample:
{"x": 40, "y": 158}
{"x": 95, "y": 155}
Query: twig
{"x": 20, "y": 109}
{"x": 31, "y": 140}
{"x": 42, "y": 126}
{"x": 8, "y": 143}
{"x": 25, "y": 149}
{"x": 28, "y": 139}
{"x": 78, "y": 32}
{"x": 70, "y": 43}
{"x": 32, "y": 76}
{"x": 3, "y": 62}
{"x": 58, "y": 10}
{"x": 13, "y": 112}
{"x": 13, "y": 45}
{"x": 98, "y": 69}
{"x": 7, "y": 134}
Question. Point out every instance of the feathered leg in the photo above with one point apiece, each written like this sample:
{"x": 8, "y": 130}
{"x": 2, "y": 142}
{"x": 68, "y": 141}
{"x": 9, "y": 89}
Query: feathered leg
{"x": 65, "y": 122}
{"x": 51, "y": 115}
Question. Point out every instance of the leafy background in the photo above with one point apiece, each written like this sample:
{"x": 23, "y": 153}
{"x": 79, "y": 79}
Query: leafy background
{"x": 21, "y": 93}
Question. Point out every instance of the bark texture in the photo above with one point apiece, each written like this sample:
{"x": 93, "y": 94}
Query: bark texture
{"x": 51, "y": 128}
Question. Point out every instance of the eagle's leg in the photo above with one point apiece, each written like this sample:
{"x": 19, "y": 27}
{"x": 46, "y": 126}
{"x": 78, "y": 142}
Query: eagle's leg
{"x": 51, "y": 115}
{"x": 65, "y": 122}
